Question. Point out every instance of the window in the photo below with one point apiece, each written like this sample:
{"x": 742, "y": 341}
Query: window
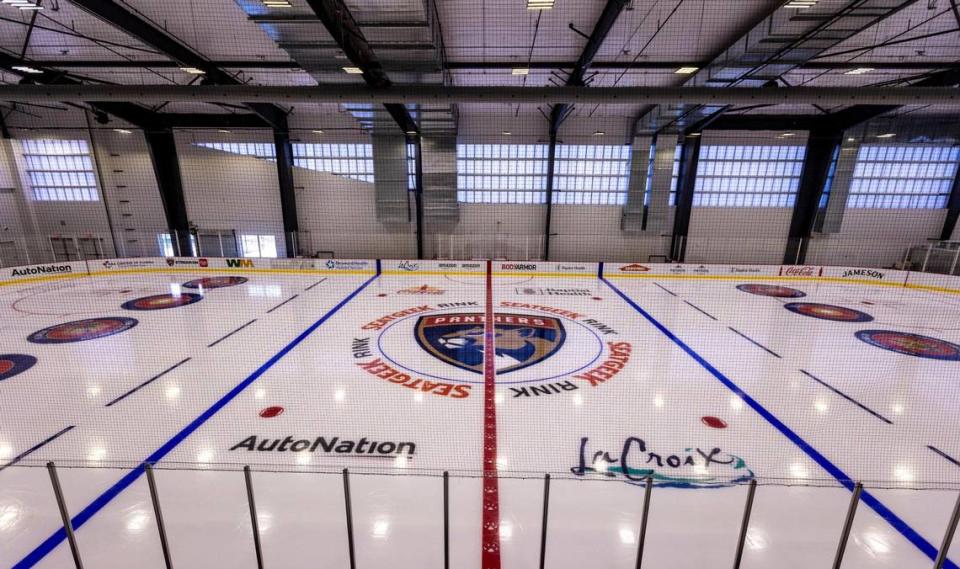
{"x": 903, "y": 177}
{"x": 259, "y": 245}
{"x": 354, "y": 161}
{"x": 165, "y": 242}
{"x": 60, "y": 170}
{"x": 412, "y": 167}
{"x": 591, "y": 174}
{"x": 748, "y": 176}
{"x": 502, "y": 173}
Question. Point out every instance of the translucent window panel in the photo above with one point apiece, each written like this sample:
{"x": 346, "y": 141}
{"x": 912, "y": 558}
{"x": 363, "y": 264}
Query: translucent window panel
{"x": 591, "y": 174}
{"x": 745, "y": 176}
{"x": 917, "y": 176}
{"x": 60, "y": 170}
{"x": 501, "y": 173}
{"x": 353, "y": 161}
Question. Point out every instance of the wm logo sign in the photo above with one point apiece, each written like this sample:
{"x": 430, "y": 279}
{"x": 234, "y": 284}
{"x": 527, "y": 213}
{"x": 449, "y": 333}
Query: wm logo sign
{"x": 240, "y": 263}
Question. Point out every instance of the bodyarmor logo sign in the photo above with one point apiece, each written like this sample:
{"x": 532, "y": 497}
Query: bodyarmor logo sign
{"x": 521, "y": 340}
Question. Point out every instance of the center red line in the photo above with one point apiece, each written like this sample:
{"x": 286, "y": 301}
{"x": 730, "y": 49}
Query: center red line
{"x": 490, "y": 548}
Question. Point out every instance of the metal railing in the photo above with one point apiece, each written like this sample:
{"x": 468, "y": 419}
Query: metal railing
{"x": 641, "y": 538}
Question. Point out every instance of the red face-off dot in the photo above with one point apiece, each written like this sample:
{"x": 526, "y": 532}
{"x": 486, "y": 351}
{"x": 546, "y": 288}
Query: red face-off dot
{"x": 5, "y": 366}
{"x": 382, "y": 294}
{"x": 597, "y": 298}
{"x": 271, "y": 412}
{"x": 714, "y": 422}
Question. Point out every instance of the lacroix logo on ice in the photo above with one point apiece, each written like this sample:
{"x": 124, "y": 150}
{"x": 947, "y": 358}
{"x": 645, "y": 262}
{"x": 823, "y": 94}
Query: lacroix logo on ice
{"x": 801, "y": 271}
{"x": 634, "y": 268}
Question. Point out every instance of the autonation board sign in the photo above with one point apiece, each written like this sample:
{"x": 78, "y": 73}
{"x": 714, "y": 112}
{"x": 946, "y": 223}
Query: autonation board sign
{"x": 46, "y": 270}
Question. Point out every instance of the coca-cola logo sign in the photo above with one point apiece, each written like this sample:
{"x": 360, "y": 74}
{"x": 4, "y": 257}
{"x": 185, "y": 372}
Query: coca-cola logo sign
{"x": 801, "y": 271}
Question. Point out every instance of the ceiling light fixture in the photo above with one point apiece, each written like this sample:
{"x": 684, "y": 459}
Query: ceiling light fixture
{"x": 694, "y": 134}
{"x": 353, "y": 70}
{"x": 318, "y": 131}
{"x": 859, "y": 71}
{"x": 122, "y": 131}
{"x": 801, "y": 4}
{"x": 789, "y": 134}
{"x": 506, "y": 133}
{"x": 687, "y": 70}
{"x": 540, "y": 4}
{"x": 26, "y": 69}
{"x": 26, "y": 7}
{"x": 193, "y": 70}
{"x": 520, "y": 71}
{"x": 224, "y": 131}
{"x": 598, "y": 133}
{"x": 887, "y": 135}
{"x": 277, "y": 4}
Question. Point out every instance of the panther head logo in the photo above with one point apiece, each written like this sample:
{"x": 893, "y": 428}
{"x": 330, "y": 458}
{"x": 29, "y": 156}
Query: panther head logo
{"x": 519, "y": 340}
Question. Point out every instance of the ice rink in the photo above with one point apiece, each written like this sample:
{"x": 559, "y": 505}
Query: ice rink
{"x": 703, "y": 378}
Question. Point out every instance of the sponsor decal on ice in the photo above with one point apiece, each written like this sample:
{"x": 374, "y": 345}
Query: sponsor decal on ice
{"x": 635, "y": 461}
{"x": 408, "y": 266}
{"x": 634, "y": 268}
{"x": 423, "y": 289}
{"x": 531, "y": 291}
{"x": 324, "y": 445}
{"x": 41, "y": 270}
{"x": 239, "y": 263}
{"x": 801, "y": 271}
{"x": 862, "y": 273}
{"x": 517, "y": 267}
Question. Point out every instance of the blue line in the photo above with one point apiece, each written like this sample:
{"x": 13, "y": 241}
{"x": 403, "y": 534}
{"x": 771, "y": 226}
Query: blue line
{"x": 869, "y": 499}
{"x": 98, "y": 504}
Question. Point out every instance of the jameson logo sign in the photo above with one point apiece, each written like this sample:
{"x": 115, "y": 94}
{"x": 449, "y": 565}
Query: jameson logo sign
{"x": 857, "y": 273}
{"x": 635, "y": 461}
{"x": 332, "y": 445}
{"x": 41, "y": 270}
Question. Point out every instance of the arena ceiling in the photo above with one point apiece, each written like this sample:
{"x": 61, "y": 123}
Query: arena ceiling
{"x": 775, "y": 44}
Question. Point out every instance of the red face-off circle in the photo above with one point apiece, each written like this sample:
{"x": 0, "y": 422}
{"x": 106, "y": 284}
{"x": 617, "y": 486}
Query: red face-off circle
{"x": 80, "y": 330}
{"x": 911, "y": 344}
{"x": 161, "y": 301}
{"x": 271, "y": 412}
{"x": 714, "y": 422}
{"x": 776, "y": 291}
{"x": 828, "y": 312}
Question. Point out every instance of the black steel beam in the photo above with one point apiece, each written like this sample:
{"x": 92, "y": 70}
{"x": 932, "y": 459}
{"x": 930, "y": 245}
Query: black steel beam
{"x": 467, "y": 65}
{"x": 166, "y": 166}
{"x": 686, "y": 181}
{"x": 418, "y": 194}
{"x": 551, "y": 167}
{"x": 821, "y": 148}
{"x": 135, "y": 26}
{"x": 345, "y": 30}
{"x": 288, "y": 197}
{"x": 953, "y": 210}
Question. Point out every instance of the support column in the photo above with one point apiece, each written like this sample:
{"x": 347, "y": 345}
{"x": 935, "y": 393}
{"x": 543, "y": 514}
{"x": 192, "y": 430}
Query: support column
{"x": 551, "y": 157}
{"x": 166, "y": 167}
{"x": 830, "y": 218}
{"x": 288, "y": 198}
{"x": 686, "y": 181}
{"x": 418, "y": 193}
{"x": 821, "y": 147}
{"x": 953, "y": 209}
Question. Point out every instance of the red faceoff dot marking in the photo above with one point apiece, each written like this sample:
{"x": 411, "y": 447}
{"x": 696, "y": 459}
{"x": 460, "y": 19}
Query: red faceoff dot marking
{"x": 714, "y": 422}
{"x": 867, "y": 302}
{"x": 382, "y": 294}
{"x": 271, "y": 412}
{"x": 597, "y": 298}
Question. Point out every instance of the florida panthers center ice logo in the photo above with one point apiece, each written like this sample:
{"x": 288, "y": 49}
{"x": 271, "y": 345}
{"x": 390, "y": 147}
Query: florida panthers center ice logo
{"x": 520, "y": 340}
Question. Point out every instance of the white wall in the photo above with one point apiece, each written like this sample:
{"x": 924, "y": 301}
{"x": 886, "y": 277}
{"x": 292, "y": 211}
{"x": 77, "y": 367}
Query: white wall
{"x": 876, "y": 237}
